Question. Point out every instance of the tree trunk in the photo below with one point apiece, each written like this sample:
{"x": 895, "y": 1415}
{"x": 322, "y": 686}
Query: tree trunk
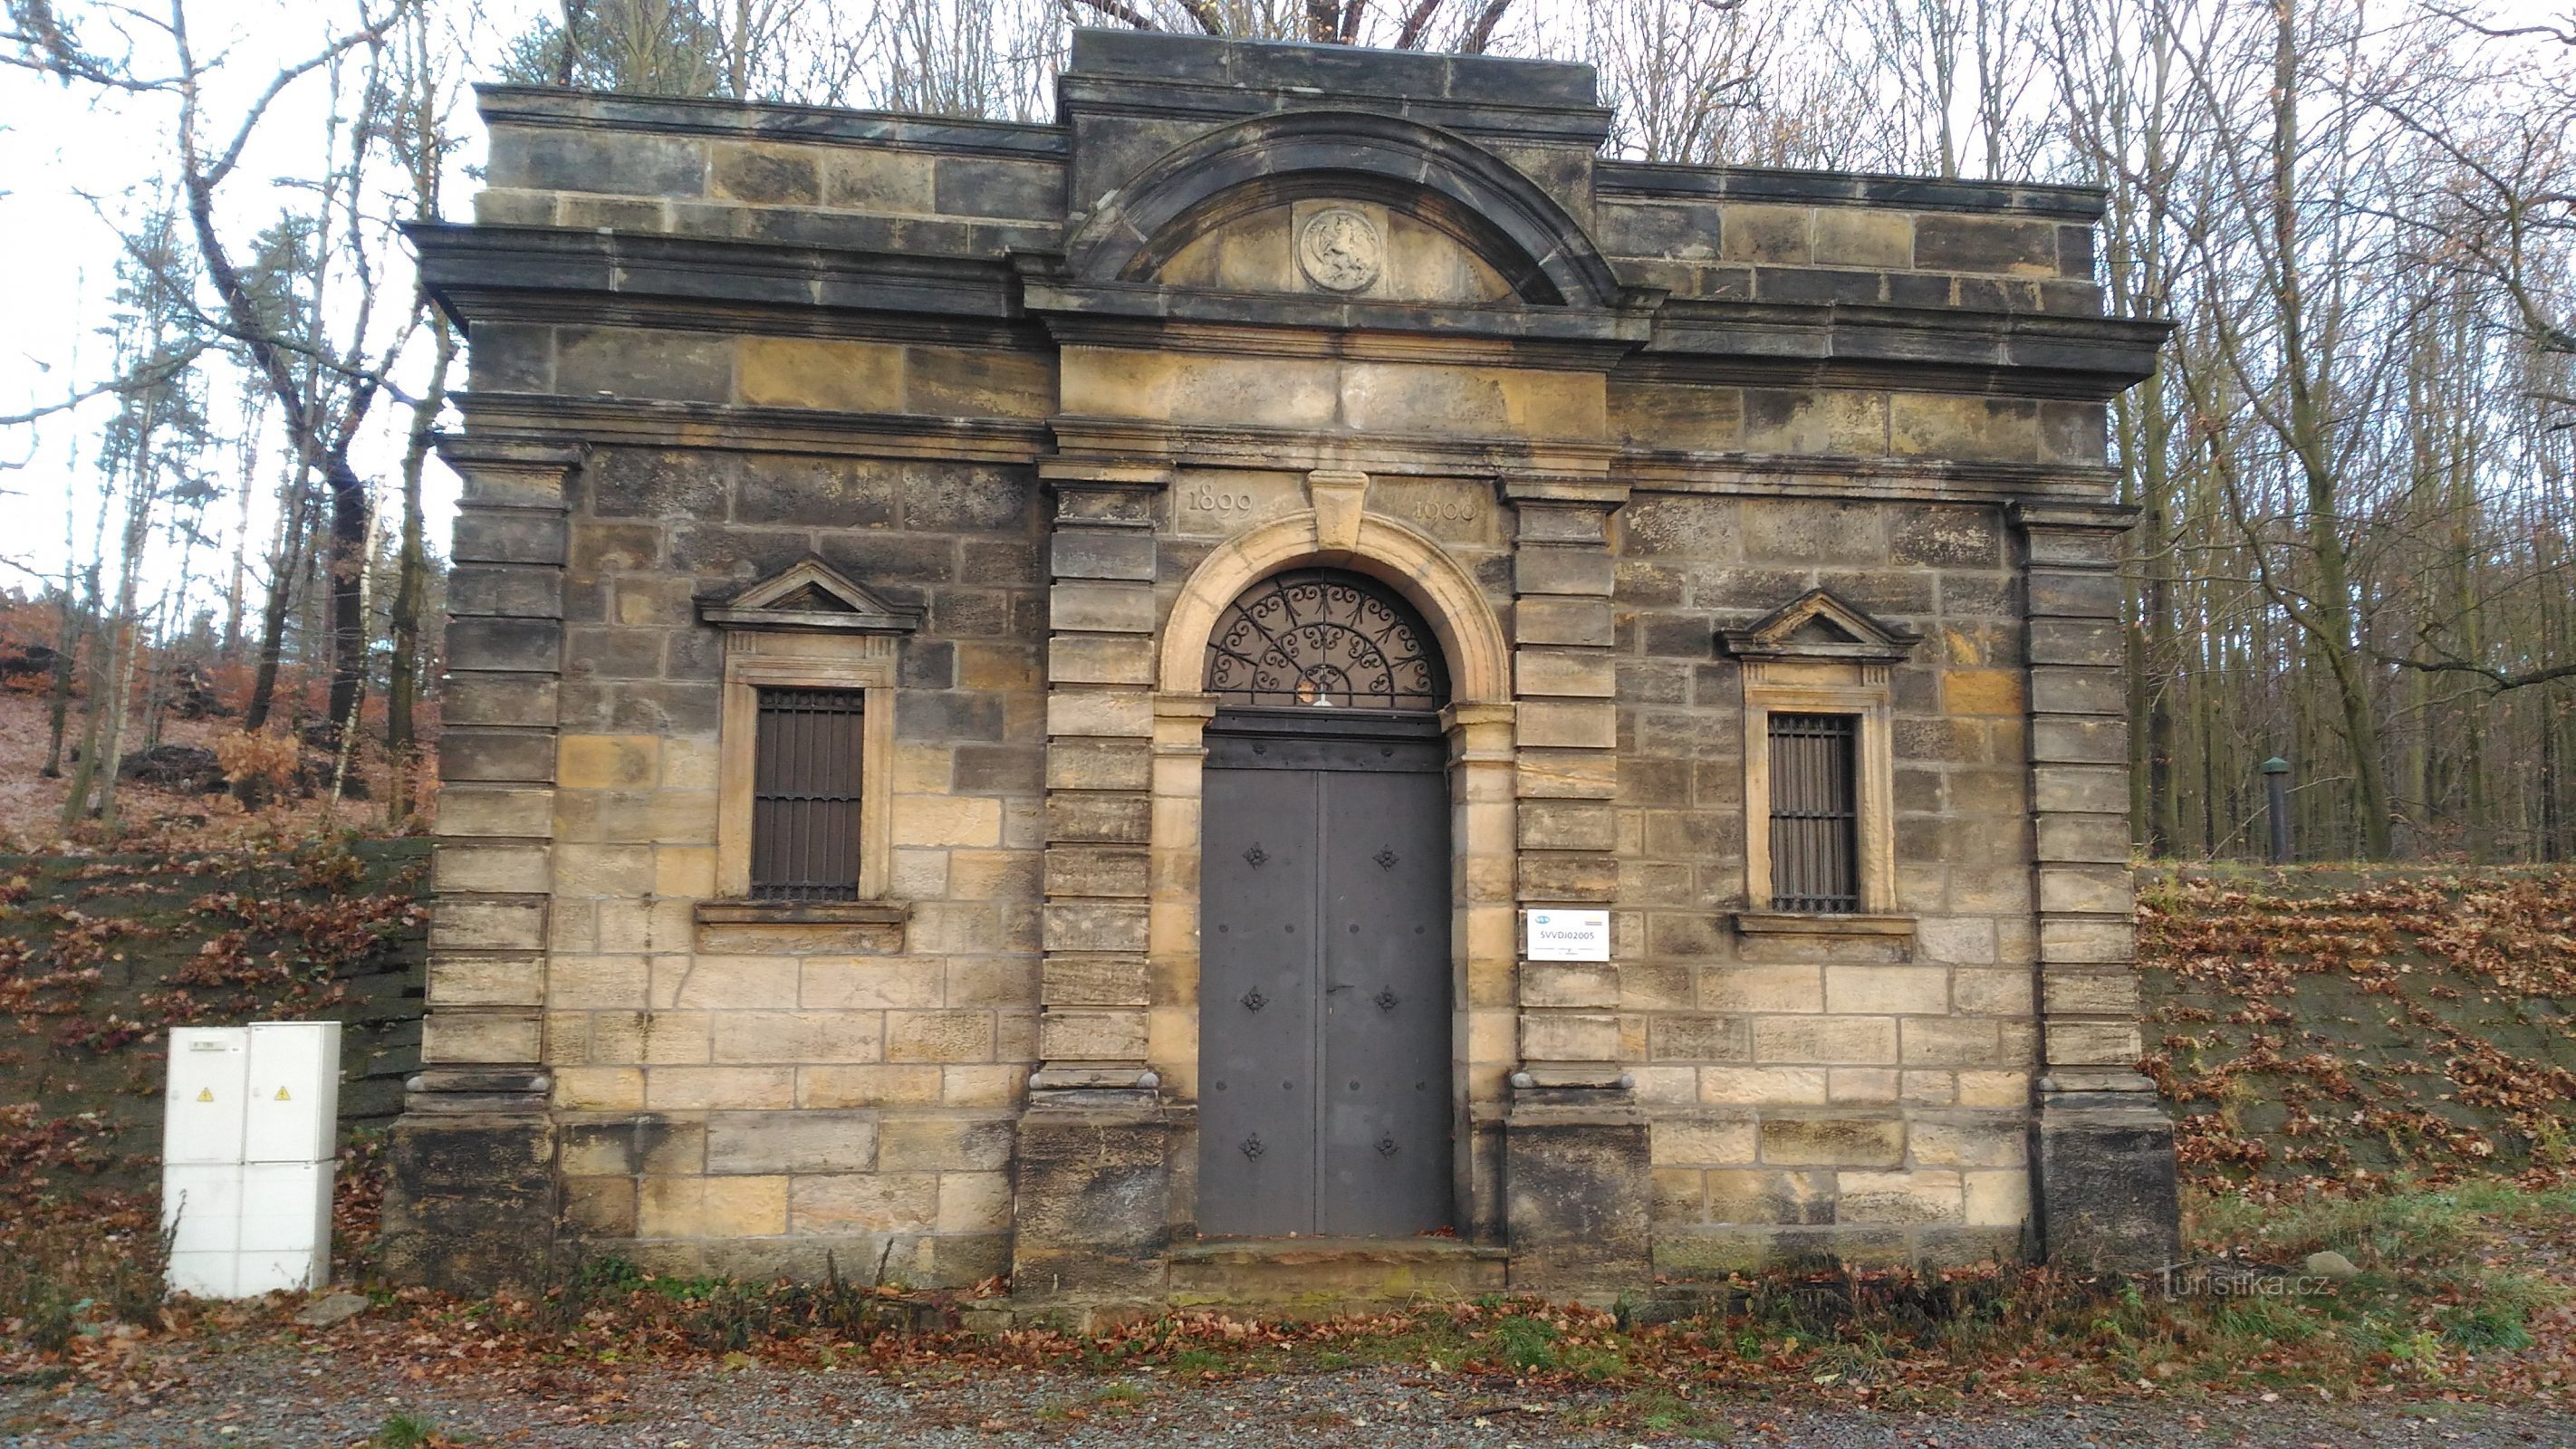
{"x": 125, "y": 660}
{"x": 2162, "y": 660}
{"x": 347, "y": 622}
{"x": 285, "y": 548}
{"x": 2336, "y": 629}
{"x": 235, "y": 596}
{"x": 304, "y": 432}
{"x": 85, "y": 761}
{"x": 412, "y": 582}
{"x": 272, "y": 646}
{"x": 67, "y": 643}
{"x": 2553, "y": 831}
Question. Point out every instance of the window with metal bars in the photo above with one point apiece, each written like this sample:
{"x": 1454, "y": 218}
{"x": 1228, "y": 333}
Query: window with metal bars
{"x": 805, "y": 795}
{"x": 1815, "y": 814}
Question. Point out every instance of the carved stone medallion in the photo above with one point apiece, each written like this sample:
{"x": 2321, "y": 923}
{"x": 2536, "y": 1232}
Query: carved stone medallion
{"x": 1340, "y": 249}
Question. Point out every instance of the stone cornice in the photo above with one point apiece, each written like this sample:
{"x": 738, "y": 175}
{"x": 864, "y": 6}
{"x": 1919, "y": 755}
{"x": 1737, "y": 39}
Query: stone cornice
{"x": 2019, "y": 354}
{"x": 596, "y": 278}
{"x": 553, "y": 106}
{"x": 638, "y": 279}
{"x": 2102, "y": 515}
{"x": 1238, "y": 324}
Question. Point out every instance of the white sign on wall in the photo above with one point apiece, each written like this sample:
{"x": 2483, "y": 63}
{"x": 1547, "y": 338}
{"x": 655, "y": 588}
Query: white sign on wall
{"x": 1568, "y": 936}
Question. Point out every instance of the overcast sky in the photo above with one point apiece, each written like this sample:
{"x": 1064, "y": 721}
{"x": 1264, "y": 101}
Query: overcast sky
{"x": 73, "y": 165}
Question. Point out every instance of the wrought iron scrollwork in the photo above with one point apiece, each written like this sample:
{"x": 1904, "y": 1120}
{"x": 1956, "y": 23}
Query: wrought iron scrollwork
{"x": 1321, "y": 638}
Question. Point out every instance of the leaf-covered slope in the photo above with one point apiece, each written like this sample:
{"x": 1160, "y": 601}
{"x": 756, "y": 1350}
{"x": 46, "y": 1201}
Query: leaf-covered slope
{"x": 2343, "y": 1025}
{"x": 101, "y": 955}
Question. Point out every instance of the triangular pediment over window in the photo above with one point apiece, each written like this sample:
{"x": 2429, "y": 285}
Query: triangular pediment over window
{"x": 1820, "y": 627}
{"x": 808, "y": 594}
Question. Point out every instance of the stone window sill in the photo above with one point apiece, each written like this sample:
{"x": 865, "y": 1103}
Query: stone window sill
{"x": 803, "y": 913}
{"x": 1791, "y": 923}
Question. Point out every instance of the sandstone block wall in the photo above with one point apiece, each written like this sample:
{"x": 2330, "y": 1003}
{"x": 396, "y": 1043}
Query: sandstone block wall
{"x": 1772, "y": 237}
{"x": 745, "y": 1097}
{"x": 1863, "y": 1096}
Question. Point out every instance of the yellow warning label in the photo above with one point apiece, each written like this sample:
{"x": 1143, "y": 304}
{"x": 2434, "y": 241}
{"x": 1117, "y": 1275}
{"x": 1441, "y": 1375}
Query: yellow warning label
{"x": 205, "y": 1094}
{"x": 281, "y": 1094}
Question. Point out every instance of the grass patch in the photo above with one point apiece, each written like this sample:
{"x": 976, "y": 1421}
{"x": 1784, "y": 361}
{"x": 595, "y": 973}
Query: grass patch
{"x": 2447, "y": 1302}
{"x": 1525, "y": 1342}
{"x": 1121, "y": 1397}
{"x": 1661, "y": 1411}
{"x": 2460, "y": 1294}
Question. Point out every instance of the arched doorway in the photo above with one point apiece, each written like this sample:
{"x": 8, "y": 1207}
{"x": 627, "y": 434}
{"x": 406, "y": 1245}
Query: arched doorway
{"x": 1325, "y": 1018}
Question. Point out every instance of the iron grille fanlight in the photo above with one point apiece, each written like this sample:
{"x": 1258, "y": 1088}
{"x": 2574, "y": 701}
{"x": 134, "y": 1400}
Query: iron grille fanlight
{"x": 805, "y": 795}
{"x": 1319, "y": 638}
{"x": 1815, "y": 814}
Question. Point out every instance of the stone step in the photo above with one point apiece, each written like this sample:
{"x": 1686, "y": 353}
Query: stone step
{"x": 1330, "y": 1275}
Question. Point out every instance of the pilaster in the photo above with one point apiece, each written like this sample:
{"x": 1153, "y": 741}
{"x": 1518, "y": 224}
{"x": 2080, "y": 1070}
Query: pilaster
{"x": 1094, "y": 988}
{"x": 470, "y": 1204}
{"x": 2106, "y": 1192}
{"x": 1092, "y": 1171}
{"x": 1564, "y": 683}
{"x": 1576, "y": 1148}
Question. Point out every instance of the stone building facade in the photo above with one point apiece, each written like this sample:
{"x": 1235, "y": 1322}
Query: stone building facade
{"x": 1627, "y": 487}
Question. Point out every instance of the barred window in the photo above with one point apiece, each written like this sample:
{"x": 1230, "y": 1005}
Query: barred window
{"x": 805, "y": 820}
{"x": 1815, "y": 846}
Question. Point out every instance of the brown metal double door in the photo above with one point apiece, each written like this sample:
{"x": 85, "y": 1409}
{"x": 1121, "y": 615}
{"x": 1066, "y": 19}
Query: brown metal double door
{"x": 1324, "y": 1022}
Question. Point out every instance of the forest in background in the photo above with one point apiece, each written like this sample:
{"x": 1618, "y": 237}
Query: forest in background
{"x": 2353, "y": 474}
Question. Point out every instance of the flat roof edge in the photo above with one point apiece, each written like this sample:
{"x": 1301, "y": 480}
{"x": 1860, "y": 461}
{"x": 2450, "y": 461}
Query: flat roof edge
{"x": 1650, "y": 180}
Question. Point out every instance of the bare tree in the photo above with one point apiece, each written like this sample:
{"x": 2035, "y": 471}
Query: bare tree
{"x": 147, "y": 448}
{"x": 1939, "y": 79}
{"x": 1691, "y": 80}
{"x": 966, "y": 57}
{"x": 2270, "y": 233}
{"x": 2117, "y": 102}
{"x": 423, "y": 142}
{"x": 1468, "y": 27}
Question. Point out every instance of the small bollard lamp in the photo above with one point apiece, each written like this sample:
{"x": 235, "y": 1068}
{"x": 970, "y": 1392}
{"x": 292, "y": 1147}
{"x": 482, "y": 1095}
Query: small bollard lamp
{"x": 2276, "y": 803}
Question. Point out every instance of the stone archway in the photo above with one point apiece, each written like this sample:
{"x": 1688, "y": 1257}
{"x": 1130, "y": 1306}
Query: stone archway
{"x": 1477, "y": 727}
{"x": 1339, "y": 533}
{"x": 1521, "y": 230}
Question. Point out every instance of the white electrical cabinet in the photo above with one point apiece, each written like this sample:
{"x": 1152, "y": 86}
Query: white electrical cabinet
{"x": 201, "y": 1119}
{"x": 294, "y": 1102}
{"x": 247, "y": 1145}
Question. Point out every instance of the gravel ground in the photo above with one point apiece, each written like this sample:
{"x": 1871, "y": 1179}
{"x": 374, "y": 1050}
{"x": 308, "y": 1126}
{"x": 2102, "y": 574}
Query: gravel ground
{"x": 271, "y": 1395}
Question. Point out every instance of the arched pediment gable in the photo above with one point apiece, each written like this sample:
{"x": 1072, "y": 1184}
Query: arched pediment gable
{"x": 1538, "y": 249}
